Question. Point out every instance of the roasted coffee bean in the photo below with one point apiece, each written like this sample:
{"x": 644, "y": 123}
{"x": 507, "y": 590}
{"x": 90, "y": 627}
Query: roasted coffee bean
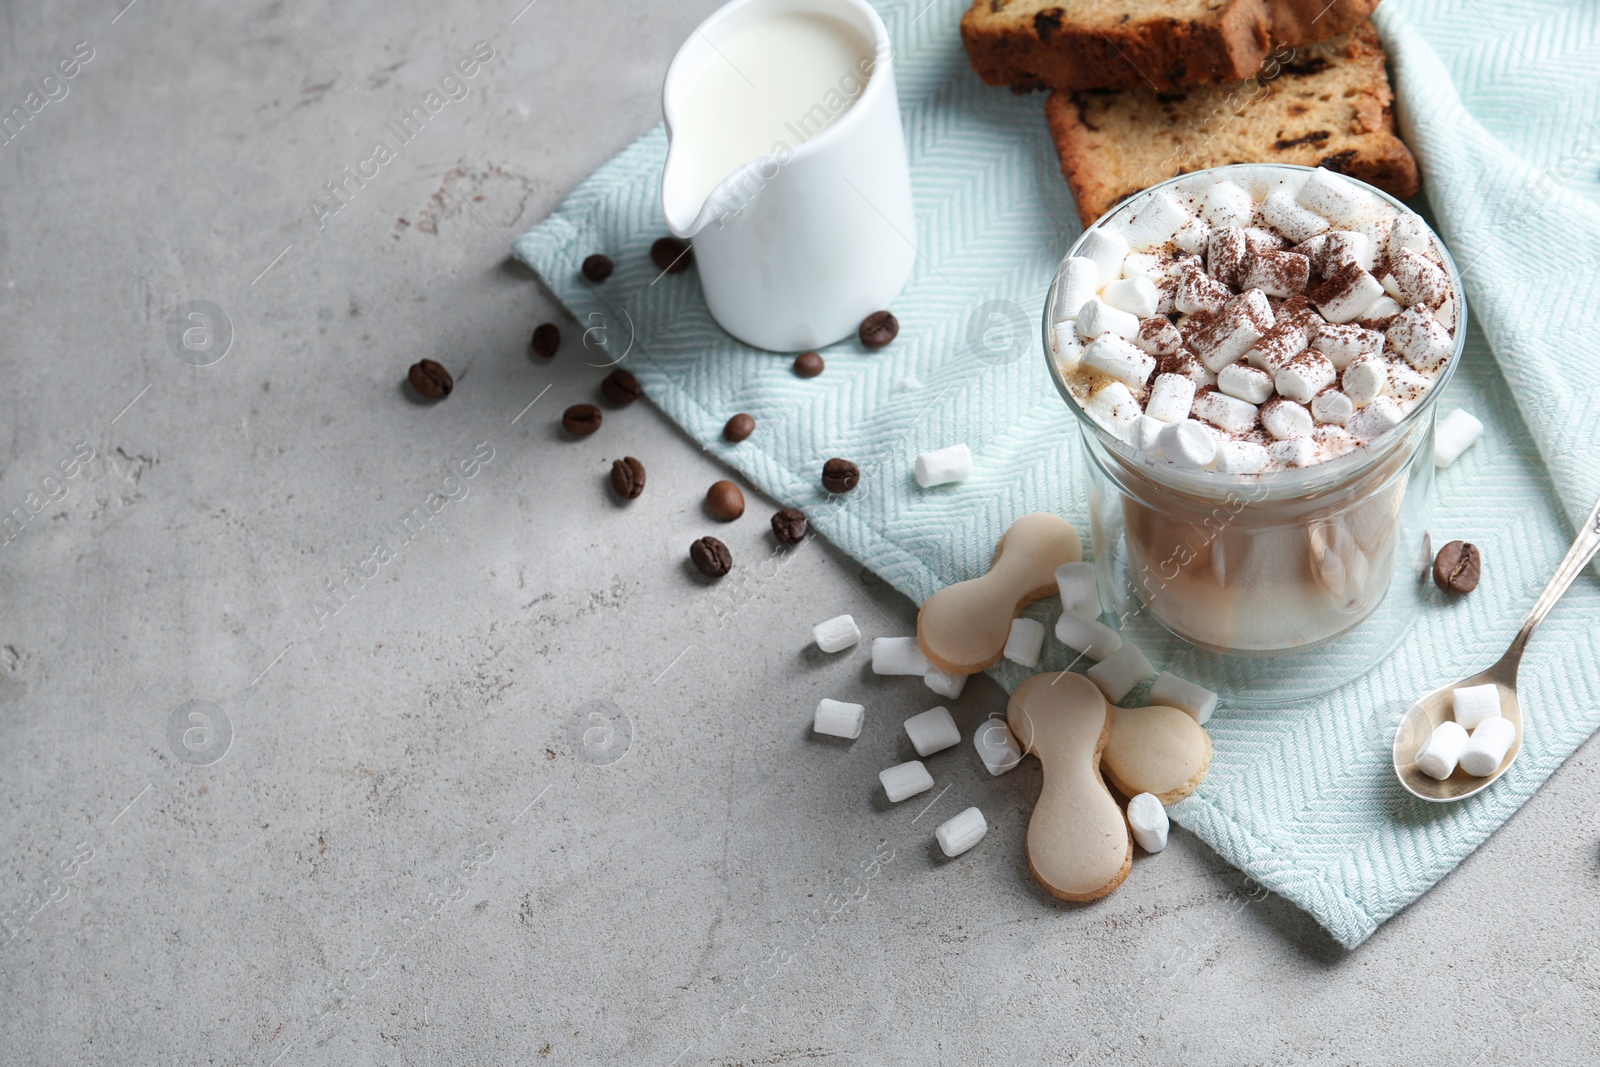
{"x": 724, "y": 501}
{"x": 671, "y": 255}
{"x": 431, "y": 380}
{"x": 1457, "y": 568}
{"x": 581, "y": 420}
{"x": 621, "y": 388}
{"x": 808, "y": 364}
{"x": 738, "y": 428}
{"x": 546, "y": 340}
{"x": 598, "y": 268}
{"x": 840, "y": 475}
{"x": 789, "y": 526}
{"x": 711, "y": 557}
{"x": 627, "y": 477}
{"x": 878, "y": 329}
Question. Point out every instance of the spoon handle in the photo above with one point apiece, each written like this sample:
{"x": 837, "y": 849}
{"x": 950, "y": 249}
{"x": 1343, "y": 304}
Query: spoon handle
{"x": 1578, "y": 557}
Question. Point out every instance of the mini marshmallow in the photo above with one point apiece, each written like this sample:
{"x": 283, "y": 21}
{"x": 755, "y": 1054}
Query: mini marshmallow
{"x": 1118, "y": 673}
{"x": 960, "y": 832}
{"x": 1334, "y": 441}
{"x": 1315, "y": 250}
{"x": 1113, "y": 407}
{"x": 996, "y": 747}
{"x": 1198, "y": 291}
{"x": 905, "y": 780}
{"x": 1238, "y": 326}
{"x": 1143, "y": 265}
{"x": 1106, "y": 248}
{"x": 1170, "y": 398}
{"x": 898, "y": 655}
{"x": 1158, "y": 336}
{"x": 1171, "y": 691}
{"x": 1116, "y": 358}
{"x": 948, "y": 686}
{"x": 1226, "y": 249}
{"x": 1475, "y": 703}
{"x": 1225, "y": 204}
{"x": 838, "y": 719}
{"x": 1346, "y": 293}
{"x": 1077, "y": 279}
{"x": 1257, "y": 239}
{"x": 1375, "y": 419}
{"x": 1136, "y": 296}
{"x": 1332, "y": 197}
{"x": 1025, "y": 642}
{"x": 1457, "y": 432}
{"x": 1090, "y": 636}
{"x": 1276, "y": 273}
{"x": 1068, "y": 347}
{"x": 1145, "y": 434}
{"x": 1408, "y": 232}
{"x": 1420, "y": 337}
{"x": 1097, "y": 317}
{"x": 1188, "y": 444}
{"x": 1242, "y": 457}
{"x": 1487, "y": 746}
{"x": 1406, "y": 386}
{"x": 1159, "y": 217}
{"x": 1365, "y": 379}
{"x": 837, "y": 634}
{"x": 1304, "y": 376}
{"x": 1346, "y": 246}
{"x": 1193, "y": 235}
{"x": 1285, "y": 419}
{"x": 1225, "y": 412}
{"x": 1332, "y": 406}
{"x": 1147, "y": 818}
{"x": 1343, "y": 342}
{"x": 1285, "y": 340}
{"x": 933, "y": 731}
{"x": 1294, "y": 452}
{"x": 1419, "y": 280}
{"x": 943, "y": 466}
{"x": 1290, "y": 219}
{"x": 1079, "y": 593}
{"x": 1382, "y": 309}
{"x": 1446, "y": 312}
{"x": 1439, "y": 754}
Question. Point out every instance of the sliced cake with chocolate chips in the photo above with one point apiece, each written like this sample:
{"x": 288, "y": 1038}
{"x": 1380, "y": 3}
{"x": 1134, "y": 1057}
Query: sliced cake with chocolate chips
{"x": 1152, "y": 44}
{"x": 1324, "y": 105}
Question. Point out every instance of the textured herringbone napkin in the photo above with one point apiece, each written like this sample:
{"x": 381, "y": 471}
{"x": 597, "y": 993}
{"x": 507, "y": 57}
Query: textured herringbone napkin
{"x": 1500, "y": 107}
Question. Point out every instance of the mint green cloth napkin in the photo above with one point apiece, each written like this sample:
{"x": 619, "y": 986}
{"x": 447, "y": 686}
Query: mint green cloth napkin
{"x": 1501, "y": 105}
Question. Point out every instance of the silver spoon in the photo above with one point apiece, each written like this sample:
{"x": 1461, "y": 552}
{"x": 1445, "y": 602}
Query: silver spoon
{"x": 1436, "y": 707}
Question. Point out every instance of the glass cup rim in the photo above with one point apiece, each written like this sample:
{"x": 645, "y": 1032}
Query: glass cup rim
{"x": 1293, "y": 481}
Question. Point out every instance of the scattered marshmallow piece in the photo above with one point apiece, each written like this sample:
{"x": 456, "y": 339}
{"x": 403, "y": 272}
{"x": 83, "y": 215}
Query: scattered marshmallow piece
{"x": 944, "y": 466}
{"x": 1025, "y": 642}
{"x": 837, "y": 634}
{"x": 1147, "y": 818}
{"x": 1458, "y": 432}
{"x": 1304, "y": 376}
{"x": 839, "y": 719}
{"x": 1170, "y": 398}
{"x": 1226, "y": 204}
{"x": 1475, "y": 703}
{"x": 1364, "y": 380}
{"x": 1284, "y": 419}
{"x": 933, "y": 731}
{"x": 1079, "y": 593}
{"x": 996, "y": 747}
{"x": 1243, "y": 457}
{"x": 1377, "y": 418}
{"x": 1250, "y": 384}
{"x": 898, "y": 655}
{"x": 1290, "y": 219}
{"x": 1439, "y": 754}
{"x": 1113, "y": 407}
{"x": 1097, "y": 317}
{"x": 1077, "y": 279}
{"x": 1136, "y": 296}
{"x": 946, "y": 685}
{"x": 1332, "y": 406}
{"x": 1294, "y": 452}
{"x": 1188, "y": 444}
{"x": 1158, "y": 218}
{"x": 1116, "y": 358}
{"x": 1068, "y": 347}
{"x": 1171, "y": 691}
{"x": 909, "y": 383}
{"x": 961, "y": 832}
{"x": 1090, "y": 636}
{"x": 1118, "y": 673}
{"x": 1226, "y": 413}
{"x": 1332, "y": 197}
{"x": 1106, "y": 248}
{"x": 905, "y": 780}
{"x": 1487, "y": 746}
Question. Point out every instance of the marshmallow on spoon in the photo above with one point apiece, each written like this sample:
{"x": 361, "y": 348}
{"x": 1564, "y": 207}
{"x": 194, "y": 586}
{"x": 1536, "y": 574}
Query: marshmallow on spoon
{"x": 1487, "y": 747}
{"x": 1439, "y": 754}
{"x": 1475, "y": 703}
{"x": 944, "y": 466}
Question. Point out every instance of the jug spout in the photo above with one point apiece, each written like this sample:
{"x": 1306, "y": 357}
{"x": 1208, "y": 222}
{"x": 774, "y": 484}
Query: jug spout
{"x": 689, "y": 210}
{"x": 679, "y": 201}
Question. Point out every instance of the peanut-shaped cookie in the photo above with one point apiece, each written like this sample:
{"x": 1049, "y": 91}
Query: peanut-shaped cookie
{"x": 1156, "y": 750}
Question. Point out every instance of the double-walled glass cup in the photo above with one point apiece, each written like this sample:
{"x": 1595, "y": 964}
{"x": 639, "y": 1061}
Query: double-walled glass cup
{"x": 1273, "y": 587}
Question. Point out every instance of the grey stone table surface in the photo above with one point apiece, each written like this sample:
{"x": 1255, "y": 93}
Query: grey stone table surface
{"x": 527, "y": 790}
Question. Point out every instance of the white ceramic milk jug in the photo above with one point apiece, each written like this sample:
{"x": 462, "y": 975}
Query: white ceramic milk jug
{"x": 786, "y": 167}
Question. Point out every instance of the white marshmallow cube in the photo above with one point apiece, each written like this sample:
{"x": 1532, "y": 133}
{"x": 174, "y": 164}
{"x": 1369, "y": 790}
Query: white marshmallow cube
{"x": 1383, "y": 308}
{"x": 1343, "y": 342}
{"x": 1173, "y": 692}
{"x": 1106, "y": 248}
{"x": 1226, "y": 204}
{"x": 1187, "y": 444}
{"x": 1113, "y": 407}
{"x": 1097, "y": 317}
{"x": 960, "y": 832}
{"x": 1136, "y": 296}
{"x": 1145, "y": 435}
{"x": 1147, "y": 818}
{"x": 1158, "y": 218}
{"x": 1116, "y": 358}
{"x": 1090, "y": 636}
{"x": 996, "y": 747}
{"x": 905, "y": 780}
{"x": 1457, "y": 432}
{"x": 1419, "y": 336}
{"x": 1418, "y": 279}
{"x": 1475, "y": 703}
{"x": 1304, "y": 376}
{"x": 1025, "y": 642}
{"x": 1488, "y": 746}
{"x": 1142, "y": 265}
{"x": 1242, "y": 457}
{"x": 1118, "y": 673}
{"x": 1225, "y": 412}
{"x": 837, "y": 634}
{"x": 1198, "y": 291}
{"x": 946, "y": 685}
{"x": 933, "y": 731}
{"x": 1158, "y": 337}
{"x": 1079, "y": 593}
{"x": 1284, "y": 419}
{"x": 1439, "y": 754}
{"x": 1347, "y": 303}
{"x": 1408, "y": 232}
{"x": 944, "y": 466}
{"x": 1364, "y": 380}
{"x": 1332, "y": 406}
{"x": 1334, "y": 441}
{"x": 1347, "y": 246}
{"x": 1170, "y": 398}
{"x": 1377, "y": 418}
{"x": 1294, "y": 452}
{"x": 1192, "y": 236}
{"x": 1077, "y": 280}
{"x": 839, "y": 719}
{"x": 1290, "y": 219}
{"x": 1250, "y": 384}
{"x": 898, "y": 655}
{"x": 1332, "y": 197}
{"x": 1067, "y": 344}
